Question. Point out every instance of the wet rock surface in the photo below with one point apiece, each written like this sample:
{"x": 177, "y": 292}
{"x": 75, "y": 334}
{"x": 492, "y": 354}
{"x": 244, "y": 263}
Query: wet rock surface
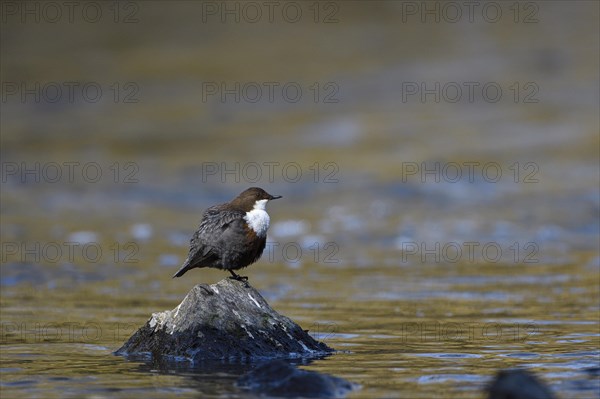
{"x": 280, "y": 379}
{"x": 228, "y": 320}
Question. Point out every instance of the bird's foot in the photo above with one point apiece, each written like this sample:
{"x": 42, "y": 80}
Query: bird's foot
{"x": 243, "y": 279}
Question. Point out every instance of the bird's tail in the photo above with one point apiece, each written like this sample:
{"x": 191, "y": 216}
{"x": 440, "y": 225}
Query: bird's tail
{"x": 186, "y": 266}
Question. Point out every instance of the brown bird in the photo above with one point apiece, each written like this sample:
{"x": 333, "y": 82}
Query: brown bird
{"x": 231, "y": 236}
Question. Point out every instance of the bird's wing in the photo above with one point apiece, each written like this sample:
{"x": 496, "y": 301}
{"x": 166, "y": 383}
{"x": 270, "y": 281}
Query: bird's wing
{"x": 214, "y": 224}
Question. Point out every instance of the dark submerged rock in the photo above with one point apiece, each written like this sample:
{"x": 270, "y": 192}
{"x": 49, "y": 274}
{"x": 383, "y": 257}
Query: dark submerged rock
{"x": 517, "y": 384}
{"x": 280, "y": 379}
{"x": 228, "y": 320}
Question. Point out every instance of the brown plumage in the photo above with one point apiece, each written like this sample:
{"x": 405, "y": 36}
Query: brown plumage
{"x": 231, "y": 235}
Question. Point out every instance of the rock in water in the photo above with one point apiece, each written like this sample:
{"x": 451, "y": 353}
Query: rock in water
{"x": 280, "y": 379}
{"x": 227, "y": 320}
{"x": 517, "y": 384}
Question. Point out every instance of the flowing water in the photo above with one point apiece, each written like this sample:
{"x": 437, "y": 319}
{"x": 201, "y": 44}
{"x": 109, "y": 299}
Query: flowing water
{"x": 431, "y": 242}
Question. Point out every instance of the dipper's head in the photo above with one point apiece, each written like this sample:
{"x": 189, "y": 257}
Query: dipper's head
{"x": 253, "y": 198}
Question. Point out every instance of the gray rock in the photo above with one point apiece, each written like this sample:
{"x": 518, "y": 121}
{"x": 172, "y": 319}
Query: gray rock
{"x": 280, "y": 379}
{"x": 229, "y": 320}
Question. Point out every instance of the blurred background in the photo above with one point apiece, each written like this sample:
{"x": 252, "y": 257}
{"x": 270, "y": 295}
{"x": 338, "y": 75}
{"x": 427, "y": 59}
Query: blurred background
{"x": 439, "y": 164}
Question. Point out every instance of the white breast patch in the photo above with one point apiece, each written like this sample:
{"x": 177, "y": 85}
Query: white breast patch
{"x": 258, "y": 219}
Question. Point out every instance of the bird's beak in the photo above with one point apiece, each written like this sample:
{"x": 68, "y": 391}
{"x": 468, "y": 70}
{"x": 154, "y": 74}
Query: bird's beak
{"x": 274, "y": 197}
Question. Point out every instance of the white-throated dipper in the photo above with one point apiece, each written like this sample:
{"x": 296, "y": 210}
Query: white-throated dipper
{"x": 231, "y": 235}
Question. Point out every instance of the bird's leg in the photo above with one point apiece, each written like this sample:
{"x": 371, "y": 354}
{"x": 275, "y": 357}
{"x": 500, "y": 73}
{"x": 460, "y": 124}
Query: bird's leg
{"x": 237, "y": 276}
